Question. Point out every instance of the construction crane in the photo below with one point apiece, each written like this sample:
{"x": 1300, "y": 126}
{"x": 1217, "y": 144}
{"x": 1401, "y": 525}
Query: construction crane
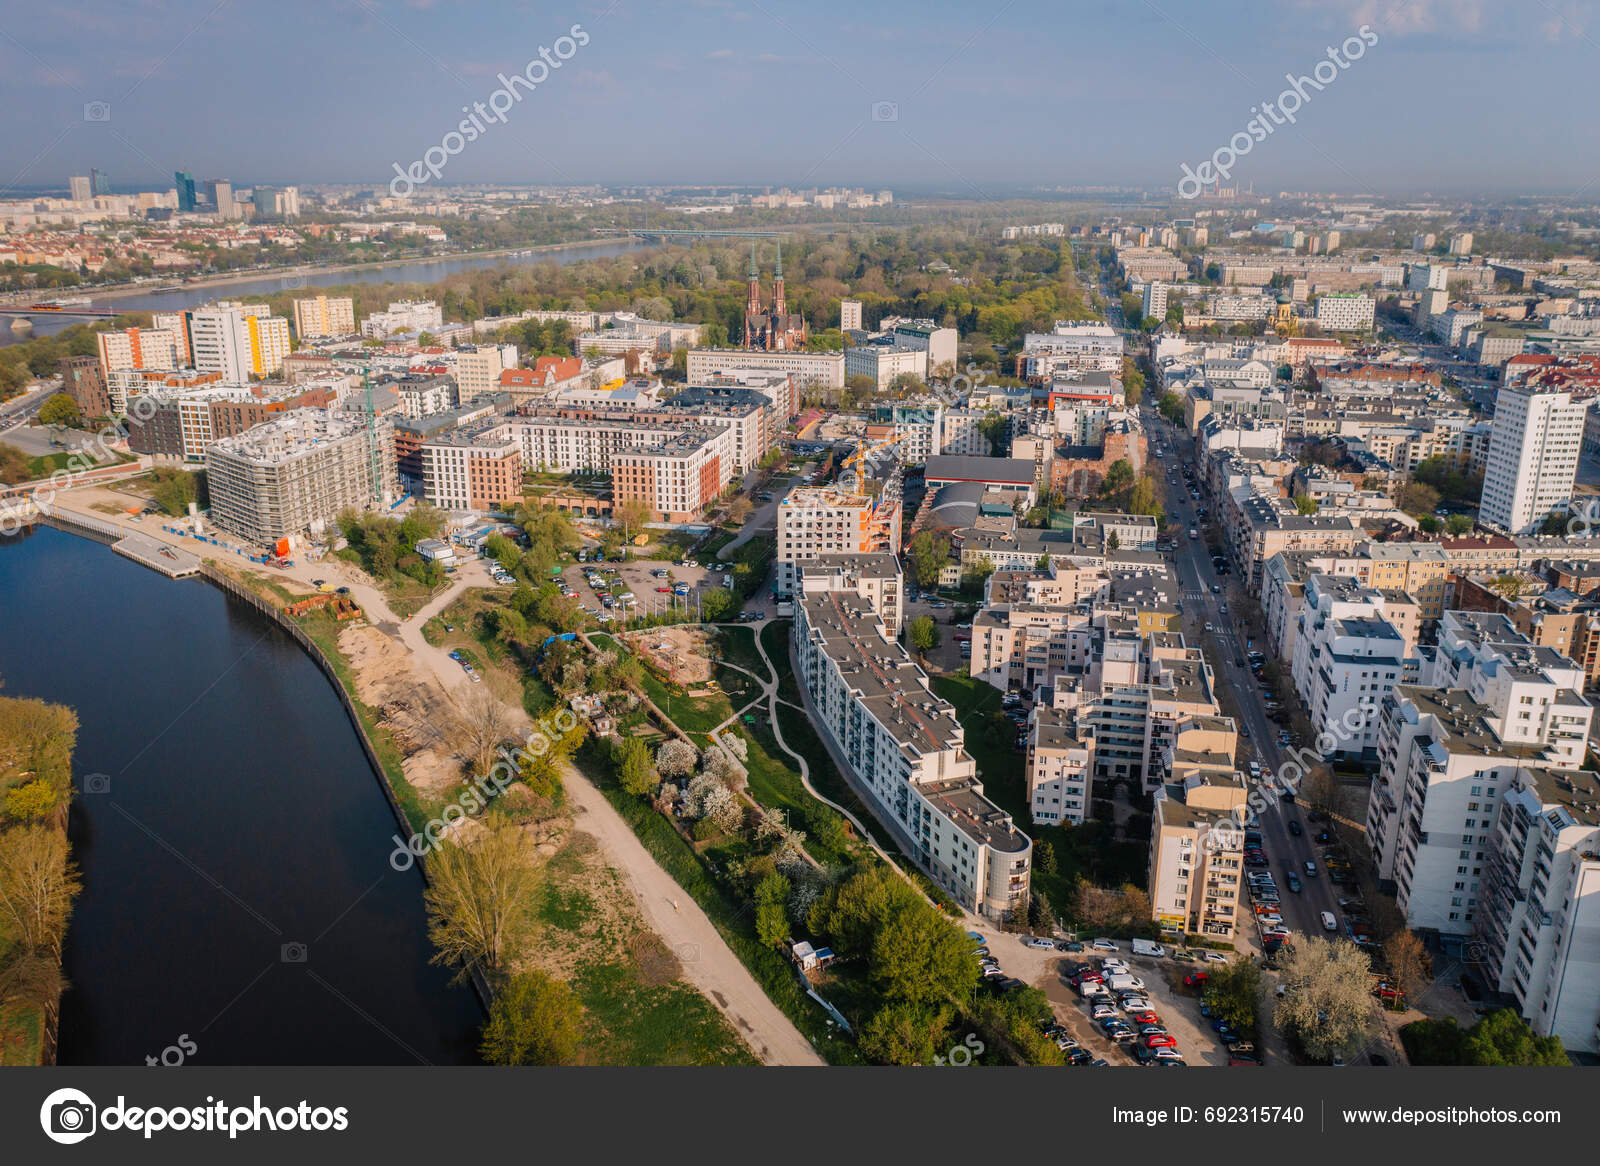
{"x": 867, "y": 451}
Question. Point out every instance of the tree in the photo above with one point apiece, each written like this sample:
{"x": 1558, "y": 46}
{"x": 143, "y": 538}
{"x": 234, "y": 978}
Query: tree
{"x": 631, "y": 514}
{"x": 717, "y": 605}
{"x": 1119, "y": 477}
{"x": 772, "y": 919}
{"x": 630, "y": 761}
{"x": 1500, "y": 1038}
{"x": 1113, "y": 541}
{"x": 903, "y": 1034}
{"x": 739, "y": 510}
{"x": 1171, "y": 407}
{"x": 1328, "y": 1006}
{"x": 37, "y": 886}
{"x": 1234, "y": 994}
{"x": 1044, "y": 857}
{"x": 1321, "y": 789}
{"x": 920, "y": 957}
{"x": 1306, "y": 504}
{"x": 174, "y": 489}
{"x": 1409, "y": 966}
{"x": 60, "y": 410}
{"x": 993, "y": 428}
{"x": 13, "y": 465}
{"x": 927, "y": 557}
{"x": 483, "y": 728}
{"x": 1458, "y": 525}
{"x": 1428, "y": 524}
{"x": 478, "y": 898}
{"x": 1417, "y": 499}
{"x": 676, "y": 758}
{"x": 534, "y": 1021}
{"x": 923, "y": 634}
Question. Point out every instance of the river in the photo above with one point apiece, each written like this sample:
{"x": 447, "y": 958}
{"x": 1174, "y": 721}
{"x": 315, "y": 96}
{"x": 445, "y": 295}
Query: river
{"x": 237, "y": 893}
{"x": 420, "y": 271}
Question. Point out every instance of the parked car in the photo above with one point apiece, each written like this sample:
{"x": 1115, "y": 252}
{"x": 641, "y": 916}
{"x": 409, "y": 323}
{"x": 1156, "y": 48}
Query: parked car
{"x": 1195, "y": 979}
{"x": 1104, "y": 945}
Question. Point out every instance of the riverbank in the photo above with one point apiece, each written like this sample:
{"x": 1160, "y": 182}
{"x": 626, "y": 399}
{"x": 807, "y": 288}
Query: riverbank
{"x": 654, "y": 986}
{"x": 289, "y": 274}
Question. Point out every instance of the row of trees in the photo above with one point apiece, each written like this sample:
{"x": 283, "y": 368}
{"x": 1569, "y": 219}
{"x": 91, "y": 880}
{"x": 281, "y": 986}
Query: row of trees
{"x": 38, "y": 880}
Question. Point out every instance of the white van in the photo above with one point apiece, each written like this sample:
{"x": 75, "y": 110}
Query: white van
{"x": 1124, "y": 983}
{"x": 1329, "y": 923}
{"x": 1145, "y": 947}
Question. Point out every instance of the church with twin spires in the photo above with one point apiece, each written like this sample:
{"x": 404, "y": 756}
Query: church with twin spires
{"x": 772, "y": 329}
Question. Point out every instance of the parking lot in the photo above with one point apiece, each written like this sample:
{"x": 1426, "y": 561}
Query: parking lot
{"x": 652, "y": 593}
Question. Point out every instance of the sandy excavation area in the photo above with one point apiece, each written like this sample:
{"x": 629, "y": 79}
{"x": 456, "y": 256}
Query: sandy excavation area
{"x": 682, "y": 652}
{"x": 413, "y": 709}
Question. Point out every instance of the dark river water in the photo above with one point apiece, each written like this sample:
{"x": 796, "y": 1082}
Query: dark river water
{"x": 425, "y": 271}
{"x": 234, "y": 841}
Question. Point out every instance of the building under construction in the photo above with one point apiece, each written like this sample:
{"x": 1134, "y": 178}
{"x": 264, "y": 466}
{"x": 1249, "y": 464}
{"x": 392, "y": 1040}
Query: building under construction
{"x": 299, "y": 472}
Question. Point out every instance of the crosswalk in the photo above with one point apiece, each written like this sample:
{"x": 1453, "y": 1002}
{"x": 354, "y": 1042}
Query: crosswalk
{"x": 1194, "y": 594}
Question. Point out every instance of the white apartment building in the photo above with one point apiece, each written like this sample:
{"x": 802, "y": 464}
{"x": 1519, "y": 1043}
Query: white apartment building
{"x": 240, "y": 341}
{"x": 875, "y": 578}
{"x": 404, "y": 316}
{"x": 1060, "y": 769}
{"x": 138, "y": 348}
{"x": 884, "y": 362}
{"x": 814, "y": 521}
{"x": 1491, "y": 703}
{"x": 1197, "y": 857}
{"x": 178, "y": 324}
{"x": 1345, "y": 312}
{"x": 457, "y": 467}
{"x": 823, "y": 370}
{"x": 938, "y": 343}
{"x": 422, "y": 396}
{"x": 849, "y": 315}
{"x": 324, "y": 316}
{"x": 919, "y": 428}
{"x": 903, "y": 748}
{"x": 1539, "y": 926}
{"x": 1155, "y": 300}
{"x": 1085, "y": 347}
{"x": 1533, "y": 457}
{"x": 1347, "y": 658}
{"x": 960, "y": 436}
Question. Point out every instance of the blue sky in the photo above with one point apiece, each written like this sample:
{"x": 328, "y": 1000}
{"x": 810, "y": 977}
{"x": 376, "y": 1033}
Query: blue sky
{"x": 1456, "y": 95}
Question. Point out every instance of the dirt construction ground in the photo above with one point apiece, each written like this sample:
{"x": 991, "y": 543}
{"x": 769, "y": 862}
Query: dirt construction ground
{"x": 418, "y": 714}
{"x": 681, "y": 652}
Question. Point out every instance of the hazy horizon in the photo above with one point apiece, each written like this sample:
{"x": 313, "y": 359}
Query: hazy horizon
{"x": 931, "y": 97}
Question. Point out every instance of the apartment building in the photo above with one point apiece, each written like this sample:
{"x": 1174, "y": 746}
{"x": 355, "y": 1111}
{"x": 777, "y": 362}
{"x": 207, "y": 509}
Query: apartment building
{"x": 814, "y": 521}
{"x": 178, "y": 324}
{"x": 83, "y": 379}
{"x": 298, "y": 473}
{"x": 404, "y": 316}
{"x": 678, "y": 475}
{"x": 422, "y": 395}
{"x": 1533, "y": 457}
{"x": 903, "y": 748}
{"x": 885, "y": 362}
{"x": 817, "y": 370}
{"x": 182, "y": 423}
{"x": 319, "y": 316}
{"x": 478, "y": 369}
{"x": 138, "y": 348}
{"x": 1539, "y": 924}
{"x": 240, "y": 341}
{"x": 1345, "y": 312}
{"x": 780, "y": 390}
{"x": 1348, "y": 656}
{"x": 1197, "y": 857}
{"x": 873, "y": 578}
{"x": 1060, "y": 769}
{"x": 1070, "y": 346}
{"x": 1489, "y": 703}
{"x": 472, "y": 471}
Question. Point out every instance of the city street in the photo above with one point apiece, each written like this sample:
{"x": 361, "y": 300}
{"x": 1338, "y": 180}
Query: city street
{"x": 1242, "y": 697}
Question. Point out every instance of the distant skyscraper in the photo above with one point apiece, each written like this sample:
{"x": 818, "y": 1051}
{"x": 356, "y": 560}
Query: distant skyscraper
{"x": 220, "y": 193}
{"x": 1533, "y": 457}
{"x": 78, "y": 188}
{"x": 99, "y": 182}
{"x": 185, "y": 184}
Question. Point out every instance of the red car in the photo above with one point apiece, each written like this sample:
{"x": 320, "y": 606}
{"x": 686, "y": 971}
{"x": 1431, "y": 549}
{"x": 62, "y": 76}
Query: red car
{"x": 663, "y": 590}
{"x": 1160, "y": 1040}
{"x": 1148, "y": 1016}
{"x": 1195, "y": 979}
